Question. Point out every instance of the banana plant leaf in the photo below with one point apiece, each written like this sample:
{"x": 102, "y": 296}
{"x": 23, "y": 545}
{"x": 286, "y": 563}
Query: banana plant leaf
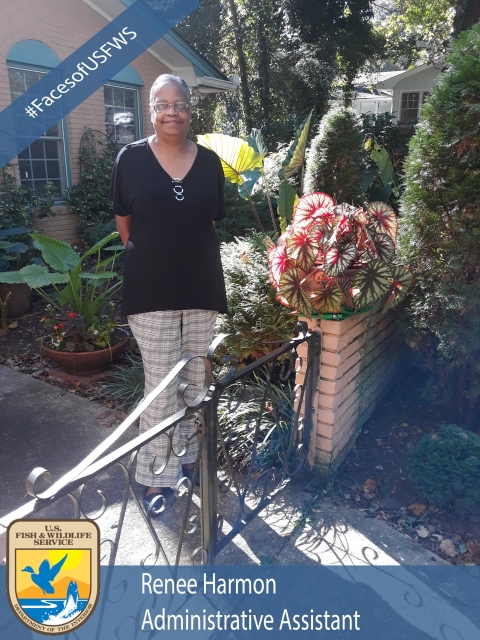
{"x": 115, "y": 247}
{"x": 236, "y": 155}
{"x": 368, "y": 178}
{"x": 292, "y": 291}
{"x": 402, "y": 282}
{"x": 312, "y": 204}
{"x": 296, "y": 154}
{"x": 384, "y": 218}
{"x": 59, "y": 255}
{"x": 287, "y": 199}
{"x": 250, "y": 180}
{"x": 381, "y": 193}
{"x": 256, "y": 141}
{"x": 371, "y": 283}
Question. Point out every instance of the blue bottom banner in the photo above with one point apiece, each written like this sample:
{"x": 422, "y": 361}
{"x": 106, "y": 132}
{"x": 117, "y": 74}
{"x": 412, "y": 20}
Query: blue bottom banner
{"x": 291, "y": 602}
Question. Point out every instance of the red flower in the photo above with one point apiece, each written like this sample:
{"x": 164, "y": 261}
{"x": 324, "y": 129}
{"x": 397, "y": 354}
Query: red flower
{"x": 72, "y": 314}
{"x": 62, "y": 325}
{"x": 55, "y": 327}
{"x": 44, "y": 318}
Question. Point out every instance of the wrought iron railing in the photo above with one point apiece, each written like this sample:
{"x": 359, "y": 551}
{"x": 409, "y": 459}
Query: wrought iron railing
{"x": 274, "y": 456}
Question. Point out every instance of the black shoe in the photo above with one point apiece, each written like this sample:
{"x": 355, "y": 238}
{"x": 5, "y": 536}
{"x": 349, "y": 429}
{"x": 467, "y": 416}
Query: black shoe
{"x": 188, "y": 473}
{"x": 166, "y": 497}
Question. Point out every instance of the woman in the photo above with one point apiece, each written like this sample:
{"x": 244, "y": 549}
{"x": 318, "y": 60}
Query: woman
{"x": 167, "y": 192}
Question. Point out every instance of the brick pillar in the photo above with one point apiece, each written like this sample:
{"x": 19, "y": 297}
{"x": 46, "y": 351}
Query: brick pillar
{"x": 360, "y": 358}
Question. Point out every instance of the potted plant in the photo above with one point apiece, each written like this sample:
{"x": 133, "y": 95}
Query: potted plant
{"x": 337, "y": 258}
{"x": 79, "y": 315}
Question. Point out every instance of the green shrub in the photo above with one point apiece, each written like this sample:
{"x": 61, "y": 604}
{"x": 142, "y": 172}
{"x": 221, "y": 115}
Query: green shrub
{"x": 254, "y": 315}
{"x": 89, "y": 197}
{"x": 440, "y": 228}
{"x": 335, "y": 158}
{"x": 17, "y": 202}
{"x": 445, "y": 467}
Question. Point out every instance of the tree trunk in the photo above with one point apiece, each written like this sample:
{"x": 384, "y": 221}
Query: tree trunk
{"x": 242, "y": 66}
{"x": 263, "y": 63}
{"x": 467, "y": 14}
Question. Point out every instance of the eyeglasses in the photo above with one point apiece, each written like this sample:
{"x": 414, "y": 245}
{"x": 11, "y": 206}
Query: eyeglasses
{"x": 160, "y": 107}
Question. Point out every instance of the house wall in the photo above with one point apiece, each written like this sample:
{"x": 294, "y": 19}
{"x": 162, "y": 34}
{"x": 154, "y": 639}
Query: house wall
{"x": 421, "y": 81}
{"x": 65, "y": 25}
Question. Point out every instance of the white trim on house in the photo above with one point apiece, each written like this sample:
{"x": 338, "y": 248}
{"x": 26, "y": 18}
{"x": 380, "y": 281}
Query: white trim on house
{"x": 171, "y": 56}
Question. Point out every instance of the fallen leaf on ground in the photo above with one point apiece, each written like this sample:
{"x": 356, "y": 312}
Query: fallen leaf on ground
{"x": 379, "y": 442}
{"x": 13, "y": 325}
{"x": 431, "y": 528}
{"x": 473, "y": 547}
{"x": 423, "y": 532}
{"x": 448, "y": 548}
{"x": 379, "y": 467}
{"x": 417, "y": 508}
{"x": 370, "y": 485}
{"x": 404, "y": 424}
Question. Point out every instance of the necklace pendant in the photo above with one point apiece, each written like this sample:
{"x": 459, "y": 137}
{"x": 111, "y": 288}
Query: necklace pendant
{"x": 178, "y": 189}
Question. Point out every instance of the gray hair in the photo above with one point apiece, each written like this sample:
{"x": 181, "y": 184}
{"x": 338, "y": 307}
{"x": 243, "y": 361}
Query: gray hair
{"x": 168, "y": 77}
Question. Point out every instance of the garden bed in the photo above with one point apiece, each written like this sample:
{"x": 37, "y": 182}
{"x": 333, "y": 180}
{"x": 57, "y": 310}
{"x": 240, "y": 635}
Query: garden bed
{"x": 20, "y": 349}
{"x": 374, "y": 476}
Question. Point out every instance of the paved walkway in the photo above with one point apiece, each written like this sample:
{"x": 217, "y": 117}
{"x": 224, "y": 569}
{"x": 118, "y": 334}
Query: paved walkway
{"x": 43, "y": 426}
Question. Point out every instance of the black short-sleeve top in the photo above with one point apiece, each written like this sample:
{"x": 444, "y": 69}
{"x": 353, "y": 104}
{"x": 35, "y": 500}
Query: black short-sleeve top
{"x": 172, "y": 257}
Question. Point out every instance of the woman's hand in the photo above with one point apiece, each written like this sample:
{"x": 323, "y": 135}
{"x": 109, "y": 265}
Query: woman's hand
{"x": 123, "y": 228}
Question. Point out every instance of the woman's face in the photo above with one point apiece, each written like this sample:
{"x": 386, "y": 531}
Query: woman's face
{"x": 171, "y": 122}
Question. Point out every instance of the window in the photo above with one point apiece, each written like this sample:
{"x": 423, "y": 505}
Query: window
{"x": 44, "y": 160}
{"x": 121, "y": 114}
{"x": 410, "y": 105}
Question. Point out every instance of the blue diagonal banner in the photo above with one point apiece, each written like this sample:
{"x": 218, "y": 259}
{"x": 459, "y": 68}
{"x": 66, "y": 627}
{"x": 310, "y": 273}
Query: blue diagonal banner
{"x": 83, "y": 72}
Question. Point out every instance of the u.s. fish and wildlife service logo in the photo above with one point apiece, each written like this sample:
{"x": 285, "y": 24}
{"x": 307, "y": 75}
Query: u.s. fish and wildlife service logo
{"x": 53, "y": 573}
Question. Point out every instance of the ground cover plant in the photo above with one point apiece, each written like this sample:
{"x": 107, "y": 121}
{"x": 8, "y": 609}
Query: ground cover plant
{"x": 311, "y": 264}
{"x": 445, "y": 467}
{"x": 440, "y": 230}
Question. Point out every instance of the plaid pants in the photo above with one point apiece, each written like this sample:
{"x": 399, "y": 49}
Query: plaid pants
{"x": 164, "y": 338}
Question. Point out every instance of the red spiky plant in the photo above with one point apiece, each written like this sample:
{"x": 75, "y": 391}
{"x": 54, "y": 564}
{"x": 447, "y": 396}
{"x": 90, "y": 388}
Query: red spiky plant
{"x": 335, "y": 256}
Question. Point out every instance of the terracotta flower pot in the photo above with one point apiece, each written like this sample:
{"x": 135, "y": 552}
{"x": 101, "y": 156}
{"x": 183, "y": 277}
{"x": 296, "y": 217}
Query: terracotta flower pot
{"x": 20, "y": 301}
{"x": 86, "y": 363}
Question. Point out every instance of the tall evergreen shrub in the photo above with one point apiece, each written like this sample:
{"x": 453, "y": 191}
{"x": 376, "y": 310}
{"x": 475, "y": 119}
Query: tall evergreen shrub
{"x": 440, "y": 227}
{"x": 335, "y": 158}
